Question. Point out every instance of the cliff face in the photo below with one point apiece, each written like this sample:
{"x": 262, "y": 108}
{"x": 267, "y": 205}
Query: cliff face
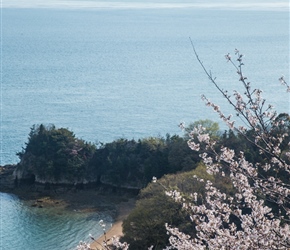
{"x": 13, "y": 176}
{"x": 62, "y": 181}
{"x": 7, "y": 180}
{"x": 20, "y": 174}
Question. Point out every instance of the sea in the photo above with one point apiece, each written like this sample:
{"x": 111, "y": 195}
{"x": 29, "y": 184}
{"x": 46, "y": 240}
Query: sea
{"x": 123, "y": 69}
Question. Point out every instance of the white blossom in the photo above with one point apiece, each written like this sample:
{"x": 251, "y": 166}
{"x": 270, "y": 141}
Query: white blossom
{"x": 255, "y": 226}
{"x": 259, "y": 227}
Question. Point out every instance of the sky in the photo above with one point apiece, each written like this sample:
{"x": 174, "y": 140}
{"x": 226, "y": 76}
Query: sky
{"x": 279, "y": 5}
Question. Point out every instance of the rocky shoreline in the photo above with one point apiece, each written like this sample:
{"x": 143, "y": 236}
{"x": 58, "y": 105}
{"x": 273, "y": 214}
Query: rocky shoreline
{"x": 115, "y": 203}
{"x": 7, "y": 180}
{"x": 85, "y": 198}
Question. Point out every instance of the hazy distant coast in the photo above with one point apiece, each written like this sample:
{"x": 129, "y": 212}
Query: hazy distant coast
{"x": 133, "y": 5}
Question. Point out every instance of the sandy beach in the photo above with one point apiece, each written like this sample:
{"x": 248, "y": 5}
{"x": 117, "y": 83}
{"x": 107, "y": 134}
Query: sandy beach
{"x": 123, "y": 210}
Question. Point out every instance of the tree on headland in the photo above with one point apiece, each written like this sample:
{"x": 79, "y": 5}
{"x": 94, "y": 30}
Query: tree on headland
{"x": 55, "y": 155}
{"x": 132, "y": 163}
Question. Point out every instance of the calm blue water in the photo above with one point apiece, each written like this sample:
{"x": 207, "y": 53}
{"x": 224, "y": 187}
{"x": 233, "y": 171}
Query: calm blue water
{"x": 108, "y": 70}
{"x": 29, "y": 228}
{"x": 131, "y": 73}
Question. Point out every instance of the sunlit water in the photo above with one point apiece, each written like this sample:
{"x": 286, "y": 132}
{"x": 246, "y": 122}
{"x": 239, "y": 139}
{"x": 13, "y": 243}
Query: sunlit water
{"x": 122, "y": 69}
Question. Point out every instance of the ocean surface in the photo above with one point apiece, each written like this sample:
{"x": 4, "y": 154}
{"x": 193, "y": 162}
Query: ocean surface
{"x": 29, "y": 228}
{"x": 116, "y": 69}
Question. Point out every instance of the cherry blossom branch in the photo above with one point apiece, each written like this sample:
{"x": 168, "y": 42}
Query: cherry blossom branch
{"x": 256, "y": 226}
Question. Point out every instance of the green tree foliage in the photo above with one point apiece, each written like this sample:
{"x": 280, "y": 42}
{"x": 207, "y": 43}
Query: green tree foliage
{"x": 145, "y": 224}
{"x": 133, "y": 163}
{"x": 211, "y": 127}
{"x": 180, "y": 156}
{"x": 55, "y": 154}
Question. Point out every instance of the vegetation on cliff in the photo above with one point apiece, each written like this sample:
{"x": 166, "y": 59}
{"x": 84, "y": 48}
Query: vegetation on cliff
{"x": 55, "y": 155}
{"x": 134, "y": 163}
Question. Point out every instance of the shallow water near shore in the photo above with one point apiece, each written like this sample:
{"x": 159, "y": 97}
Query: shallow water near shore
{"x": 25, "y": 227}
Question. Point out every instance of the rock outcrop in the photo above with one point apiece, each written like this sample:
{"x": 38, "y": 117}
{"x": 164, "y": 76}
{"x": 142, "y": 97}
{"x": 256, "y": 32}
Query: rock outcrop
{"x": 7, "y": 179}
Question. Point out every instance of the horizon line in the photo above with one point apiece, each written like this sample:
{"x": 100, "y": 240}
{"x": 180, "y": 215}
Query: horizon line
{"x": 280, "y": 6}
